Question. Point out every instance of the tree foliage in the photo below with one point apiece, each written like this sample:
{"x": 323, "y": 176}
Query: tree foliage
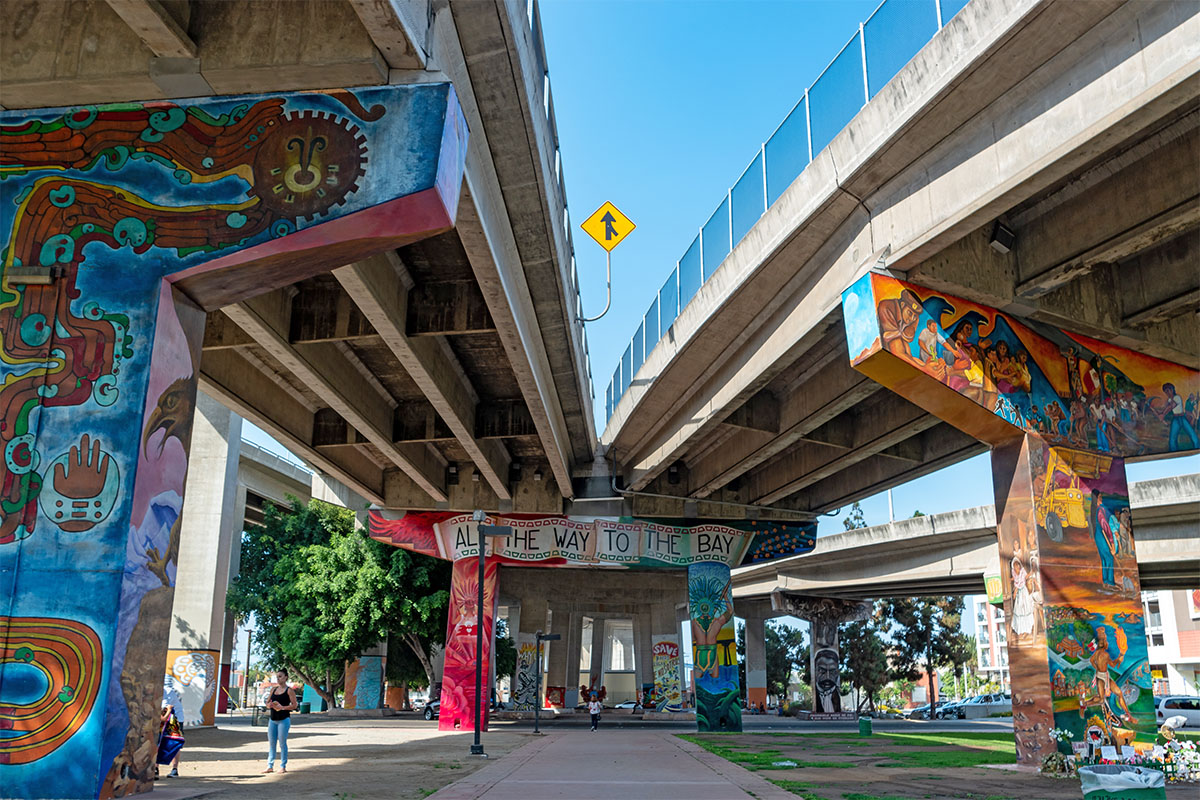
{"x": 323, "y": 592}
{"x": 782, "y": 649}
{"x": 855, "y": 519}
{"x": 923, "y": 631}
{"x": 506, "y": 650}
{"x": 864, "y": 660}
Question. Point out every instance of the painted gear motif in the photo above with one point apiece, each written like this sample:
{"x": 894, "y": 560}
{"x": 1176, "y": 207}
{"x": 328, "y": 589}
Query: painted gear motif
{"x": 309, "y": 162}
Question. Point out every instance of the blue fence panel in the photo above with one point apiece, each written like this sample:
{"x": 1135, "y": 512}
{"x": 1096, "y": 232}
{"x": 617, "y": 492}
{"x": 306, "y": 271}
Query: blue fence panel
{"x": 690, "y": 273}
{"x": 716, "y": 238}
{"x": 787, "y": 153}
{"x": 836, "y": 96}
{"x": 608, "y": 402}
{"x": 651, "y": 326}
{"x": 668, "y": 301}
{"x": 626, "y": 367}
{"x": 951, "y": 8}
{"x": 639, "y": 353}
{"x": 898, "y": 29}
{"x": 616, "y": 384}
{"x": 748, "y": 201}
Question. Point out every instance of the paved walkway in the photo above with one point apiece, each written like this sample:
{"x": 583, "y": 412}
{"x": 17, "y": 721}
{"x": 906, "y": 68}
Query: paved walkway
{"x": 628, "y": 764}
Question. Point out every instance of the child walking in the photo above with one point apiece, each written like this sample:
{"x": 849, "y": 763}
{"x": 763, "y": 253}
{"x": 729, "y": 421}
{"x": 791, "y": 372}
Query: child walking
{"x": 594, "y": 708}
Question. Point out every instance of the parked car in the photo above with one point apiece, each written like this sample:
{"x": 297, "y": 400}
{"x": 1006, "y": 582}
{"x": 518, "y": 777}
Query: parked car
{"x": 1178, "y": 706}
{"x": 630, "y": 704}
{"x": 431, "y": 709}
{"x": 888, "y": 712}
{"x": 984, "y": 705}
{"x": 950, "y": 709}
{"x": 923, "y": 712}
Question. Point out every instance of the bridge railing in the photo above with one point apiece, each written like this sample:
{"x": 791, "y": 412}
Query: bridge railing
{"x": 881, "y": 46}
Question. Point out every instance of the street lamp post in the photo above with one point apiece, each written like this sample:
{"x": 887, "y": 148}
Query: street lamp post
{"x": 537, "y": 671}
{"x": 484, "y": 532}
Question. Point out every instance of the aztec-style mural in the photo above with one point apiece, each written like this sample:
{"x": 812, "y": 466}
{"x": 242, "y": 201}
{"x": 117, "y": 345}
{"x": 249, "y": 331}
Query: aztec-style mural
{"x": 193, "y": 675}
{"x": 665, "y": 661}
{"x": 457, "y": 711}
{"x": 1069, "y": 389}
{"x": 102, "y": 210}
{"x": 714, "y": 647}
{"x": 365, "y": 682}
{"x": 556, "y": 541}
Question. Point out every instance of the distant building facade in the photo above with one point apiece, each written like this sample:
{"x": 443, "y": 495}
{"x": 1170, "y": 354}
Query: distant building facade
{"x": 1173, "y": 640}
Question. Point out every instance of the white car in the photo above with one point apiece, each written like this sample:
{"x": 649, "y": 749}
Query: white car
{"x": 630, "y": 704}
{"x": 1178, "y": 706}
{"x": 984, "y": 706}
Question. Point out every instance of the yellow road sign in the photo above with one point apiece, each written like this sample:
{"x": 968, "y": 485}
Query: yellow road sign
{"x": 608, "y": 226}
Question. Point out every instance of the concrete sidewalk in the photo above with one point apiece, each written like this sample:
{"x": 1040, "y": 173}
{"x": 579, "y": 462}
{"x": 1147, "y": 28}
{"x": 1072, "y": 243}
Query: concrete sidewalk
{"x": 624, "y": 764}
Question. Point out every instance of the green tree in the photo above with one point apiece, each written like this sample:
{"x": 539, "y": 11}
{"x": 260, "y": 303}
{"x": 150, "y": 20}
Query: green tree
{"x": 921, "y": 630}
{"x": 323, "y": 592}
{"x": 864, "y": 661}
{"x": 781, "y": 648}
{"x": 960, "y": 651}
{"x": 855, "y": 518}
{"x": 506, "y": 650}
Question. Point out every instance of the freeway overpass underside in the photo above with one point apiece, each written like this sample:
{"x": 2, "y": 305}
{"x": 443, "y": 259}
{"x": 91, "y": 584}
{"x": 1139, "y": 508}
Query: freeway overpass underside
{"x": 1074, "y": 125}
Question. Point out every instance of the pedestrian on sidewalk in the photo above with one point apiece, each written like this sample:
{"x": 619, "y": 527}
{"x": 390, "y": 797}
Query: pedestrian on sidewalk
{"x": 281, "y": 704}
{"x": 594, "y": 709}
{"x": 170, "y": 735}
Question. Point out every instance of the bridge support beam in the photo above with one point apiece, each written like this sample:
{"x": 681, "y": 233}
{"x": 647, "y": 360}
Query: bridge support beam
{"x": 756, "y": 661}
{"x": 714, "y": 647}
{"x": 1061, "y": 411}
{"x": 457, "y": 711}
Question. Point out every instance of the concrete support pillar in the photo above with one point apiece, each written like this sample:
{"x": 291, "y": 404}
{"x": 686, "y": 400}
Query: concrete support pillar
{"x": 642, "y": 660}
{"x": 1072, "y": 596}
{"x": 596, "y": 670}
{"x": 459, "y": 696}
{"x": 573, "y": 638}
{"x": 331, "y": 490}
{"x": 686, "y": 688}
{"x": 530, "y": 618}
{"x": 208, "y": 526}
{"x": 228, "y": 642}
{"x": 756, "y": 661}
{"x": 366, "y": 680}
{"x": 714, "y": 647}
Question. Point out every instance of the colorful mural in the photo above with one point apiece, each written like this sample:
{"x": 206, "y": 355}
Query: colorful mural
{"x": 563, "y": 541}
{"x": 1069, "y": 389}
{"x": 1076, "y": 637}
{"x": 714, "y": 651}
{"x": 458, "y": 675}
{"x": 524, "y": 693}
{"x": 365, "y": 682}
{"x": 106, "y": 212}
{"x": 665, "y": 660}
{"x": 193, "y": 675}
{"x": 824, "y": 615}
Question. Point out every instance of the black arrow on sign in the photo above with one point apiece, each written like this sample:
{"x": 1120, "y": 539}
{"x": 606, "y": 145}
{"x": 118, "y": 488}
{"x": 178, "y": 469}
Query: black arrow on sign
{"x": 609, "y": 230}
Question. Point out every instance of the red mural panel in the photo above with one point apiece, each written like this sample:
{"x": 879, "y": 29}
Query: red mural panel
{"x": 458, "y": 674}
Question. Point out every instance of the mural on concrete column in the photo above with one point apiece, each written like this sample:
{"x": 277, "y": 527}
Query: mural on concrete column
{"x": 365, "y": 682}
{"x": 554, "y": 541}
{"x": 824, "y": 615}
{"x": 524, "y": 694}
{"x": 193, "y": 675}
{"x": 457, "y": 711}
{"x": 714, "y": 651}
{"x": 1067, "y": 388}
{"x": 665, "y": 659}
{"x": 103, "y": 207}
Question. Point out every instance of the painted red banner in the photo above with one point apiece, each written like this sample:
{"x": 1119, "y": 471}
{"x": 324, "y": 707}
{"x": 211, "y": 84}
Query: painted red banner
{"x": 458, "y": 676}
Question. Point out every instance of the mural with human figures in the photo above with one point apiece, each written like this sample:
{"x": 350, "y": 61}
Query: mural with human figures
{"x": 525, "y": 692}
{"x": 1069, "y": 389}
{"x": 714, "y": 651}
{"x": 665, "y": 660}
{"x": 457, "y": 711}
{"x": 108, "y": 216}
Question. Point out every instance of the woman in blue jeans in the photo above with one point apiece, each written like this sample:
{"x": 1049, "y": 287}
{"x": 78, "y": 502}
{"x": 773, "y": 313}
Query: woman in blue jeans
{"x": 281, "y": 705}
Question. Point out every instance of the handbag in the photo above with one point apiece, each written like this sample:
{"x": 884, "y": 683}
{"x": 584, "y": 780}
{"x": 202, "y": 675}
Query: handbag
{"x": 170, "y": 740}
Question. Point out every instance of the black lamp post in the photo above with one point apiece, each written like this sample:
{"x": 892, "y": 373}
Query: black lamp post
{"x": 484, "y": 532}
{"x": 537, "y": 663}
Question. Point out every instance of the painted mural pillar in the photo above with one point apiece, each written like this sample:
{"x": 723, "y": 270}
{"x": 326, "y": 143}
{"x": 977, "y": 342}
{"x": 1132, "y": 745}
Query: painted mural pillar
{"x": 824, "y": 615}
{"x": 457, "y": 711}
{"x": 664, "y": 658}
{"x": 532, "y": 618}
{"x": 756, "y": 661}
{"x": 1061, "y": 412}
{"x": 209, "y": 524}
{"x": 366, "y": 680}
{"x": 121, "y": 225}
{"x": 1072, "y": 596}
{"x": 714, "y": 647}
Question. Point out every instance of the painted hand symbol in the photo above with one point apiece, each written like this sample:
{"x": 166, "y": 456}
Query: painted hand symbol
{"x": 83, "y": 476}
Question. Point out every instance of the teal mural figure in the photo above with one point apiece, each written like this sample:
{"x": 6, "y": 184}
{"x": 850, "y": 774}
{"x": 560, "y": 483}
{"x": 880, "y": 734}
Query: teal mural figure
{"x": 714, "y": 658}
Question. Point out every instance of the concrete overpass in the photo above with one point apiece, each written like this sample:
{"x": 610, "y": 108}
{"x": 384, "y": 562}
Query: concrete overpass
{"x": 1074, "y": 124}
{"x": 450, "y": 372}
{"x": 950, "y": 553}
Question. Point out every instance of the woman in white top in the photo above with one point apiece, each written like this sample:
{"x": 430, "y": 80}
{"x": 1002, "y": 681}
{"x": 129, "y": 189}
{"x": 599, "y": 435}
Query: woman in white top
{"x": 594, "y": 709}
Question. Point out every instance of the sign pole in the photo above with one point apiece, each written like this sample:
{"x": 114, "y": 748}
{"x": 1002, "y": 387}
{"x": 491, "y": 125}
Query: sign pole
{"x": 609, "y": 227}
{"x": 607, "y": 286}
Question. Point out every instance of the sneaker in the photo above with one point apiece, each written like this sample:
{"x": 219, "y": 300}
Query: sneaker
{"x": 173, "y": 773}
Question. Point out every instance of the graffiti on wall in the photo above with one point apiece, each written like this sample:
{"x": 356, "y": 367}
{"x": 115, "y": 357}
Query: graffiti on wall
{"x": 192, "y": 674}
{"x": 824, "y": 615}
{"x": 665, "y": 660}
{"x": 1069, "y": 389}
{"x": 103, "y": 207}
{"x": 563, "y": 541}
{"x": 714, "y": 652}
{"x": 365, "y": 682}
{"x": 457, "y": 711}
{"x": 525, "y": 692}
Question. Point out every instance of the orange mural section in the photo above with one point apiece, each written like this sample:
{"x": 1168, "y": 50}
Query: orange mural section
{"x": 68, "y": 656}
{"x": 994, "y": 376}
